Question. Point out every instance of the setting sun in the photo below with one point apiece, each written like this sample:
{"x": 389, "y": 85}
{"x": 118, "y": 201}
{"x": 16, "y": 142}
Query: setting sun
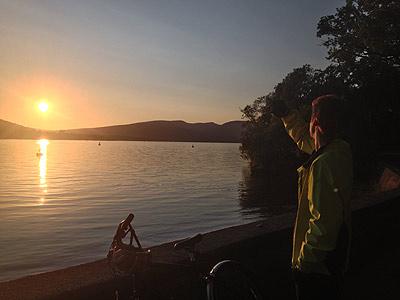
{"x": 43, "y": 106}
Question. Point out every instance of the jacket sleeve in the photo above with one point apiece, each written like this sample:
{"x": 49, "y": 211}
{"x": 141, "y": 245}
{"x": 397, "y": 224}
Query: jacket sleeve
{"x": 326, "y": 210}
{"x": 298, "y": 130}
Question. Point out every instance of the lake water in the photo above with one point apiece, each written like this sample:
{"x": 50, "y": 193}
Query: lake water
{"x": 61, "y": 207}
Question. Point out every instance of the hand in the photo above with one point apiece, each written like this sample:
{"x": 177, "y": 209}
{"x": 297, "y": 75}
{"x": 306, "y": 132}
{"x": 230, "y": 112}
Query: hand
{"x": 279, "y": 109}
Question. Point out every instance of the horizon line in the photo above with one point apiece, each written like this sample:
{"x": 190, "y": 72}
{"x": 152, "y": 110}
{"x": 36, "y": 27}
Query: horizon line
{"x": 125, "y": 124}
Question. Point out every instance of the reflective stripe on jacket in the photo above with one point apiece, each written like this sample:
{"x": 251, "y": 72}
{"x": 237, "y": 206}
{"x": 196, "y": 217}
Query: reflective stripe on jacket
{"x": 324, "y": 191}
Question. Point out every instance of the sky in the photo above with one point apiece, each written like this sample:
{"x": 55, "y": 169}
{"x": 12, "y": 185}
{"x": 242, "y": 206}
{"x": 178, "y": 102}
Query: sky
{"x": 99, "y": 63}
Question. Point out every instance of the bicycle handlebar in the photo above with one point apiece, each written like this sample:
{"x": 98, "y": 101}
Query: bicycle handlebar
{"x": 125, "y": 224}
{"x": 188, "y": 243}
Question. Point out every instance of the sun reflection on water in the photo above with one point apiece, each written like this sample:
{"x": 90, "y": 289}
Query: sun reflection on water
{"x": 42, "y": 154}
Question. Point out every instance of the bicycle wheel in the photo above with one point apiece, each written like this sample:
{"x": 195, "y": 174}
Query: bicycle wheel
{"x": 229, "y": 280}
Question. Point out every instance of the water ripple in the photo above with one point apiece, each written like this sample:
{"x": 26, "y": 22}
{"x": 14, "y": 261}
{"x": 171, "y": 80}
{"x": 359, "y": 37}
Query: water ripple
{"x": 61, "y": 208}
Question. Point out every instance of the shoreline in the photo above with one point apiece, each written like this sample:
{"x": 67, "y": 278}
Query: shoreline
{"x": 269, "y": 239}
{"x": 121, "y": 140}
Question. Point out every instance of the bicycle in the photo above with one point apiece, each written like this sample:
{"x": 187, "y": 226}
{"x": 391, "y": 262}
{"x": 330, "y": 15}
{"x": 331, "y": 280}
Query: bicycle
{"x": 227, "y": 279}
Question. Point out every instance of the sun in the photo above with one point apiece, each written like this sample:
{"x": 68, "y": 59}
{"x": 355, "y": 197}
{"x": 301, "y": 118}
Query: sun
{"x": 43, "y": 106}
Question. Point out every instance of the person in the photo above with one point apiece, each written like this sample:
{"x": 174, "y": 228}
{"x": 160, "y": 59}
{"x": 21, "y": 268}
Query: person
{"x": 321, "y": 238}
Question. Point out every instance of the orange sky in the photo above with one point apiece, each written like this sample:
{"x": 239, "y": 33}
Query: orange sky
{"x": 67, "y": 101}
{"x": 121, "y": 62}
{"x": 72, "y": 105}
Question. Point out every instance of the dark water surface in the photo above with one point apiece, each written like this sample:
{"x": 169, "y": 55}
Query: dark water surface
{"x": 60, "y": 207}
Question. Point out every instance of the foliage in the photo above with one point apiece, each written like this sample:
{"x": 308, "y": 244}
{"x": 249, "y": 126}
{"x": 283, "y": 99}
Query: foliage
{"x": 363, "y": 35}
{"x": 264, "y": 141}
{"x": 363, "y": 43}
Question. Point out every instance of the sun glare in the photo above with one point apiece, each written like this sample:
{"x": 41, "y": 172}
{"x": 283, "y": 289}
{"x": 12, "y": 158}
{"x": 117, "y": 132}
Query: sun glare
{"x": 42, "y": 155}
{"x": 43, "y": 106}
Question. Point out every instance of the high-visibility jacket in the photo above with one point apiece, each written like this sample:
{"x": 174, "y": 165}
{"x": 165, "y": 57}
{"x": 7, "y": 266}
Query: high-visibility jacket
{"x": 324, "y": 191}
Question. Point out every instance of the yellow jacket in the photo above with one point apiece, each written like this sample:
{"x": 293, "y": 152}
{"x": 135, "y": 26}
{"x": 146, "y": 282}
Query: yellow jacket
{"x": 324, "y": 191}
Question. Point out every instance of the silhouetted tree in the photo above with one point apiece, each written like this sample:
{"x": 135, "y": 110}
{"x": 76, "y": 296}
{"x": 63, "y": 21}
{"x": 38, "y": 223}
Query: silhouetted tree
{"x": 363, "y": 42}
{"x": 363, "y": 34}
{"x": 264, "y": 142}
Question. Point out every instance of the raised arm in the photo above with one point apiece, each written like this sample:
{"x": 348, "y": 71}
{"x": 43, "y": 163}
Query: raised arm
{"x": 298, "y": 130}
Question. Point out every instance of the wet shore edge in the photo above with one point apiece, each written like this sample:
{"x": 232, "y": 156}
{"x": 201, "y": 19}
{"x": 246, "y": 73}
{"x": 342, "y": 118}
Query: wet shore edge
{"x": 263, "y": 246}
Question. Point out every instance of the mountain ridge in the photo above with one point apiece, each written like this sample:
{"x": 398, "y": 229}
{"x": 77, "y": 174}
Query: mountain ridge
{"x": 157, "y": 130}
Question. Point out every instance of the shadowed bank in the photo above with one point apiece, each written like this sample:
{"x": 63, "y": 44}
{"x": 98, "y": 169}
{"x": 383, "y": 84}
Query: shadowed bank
{"x": 263, "y": 246}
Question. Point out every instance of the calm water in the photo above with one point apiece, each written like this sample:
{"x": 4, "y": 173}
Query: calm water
{"x": 61, "y": 208}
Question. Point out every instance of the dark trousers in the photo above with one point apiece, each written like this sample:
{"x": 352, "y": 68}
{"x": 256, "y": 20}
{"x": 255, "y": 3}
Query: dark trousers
{"x": 318, "y": 286}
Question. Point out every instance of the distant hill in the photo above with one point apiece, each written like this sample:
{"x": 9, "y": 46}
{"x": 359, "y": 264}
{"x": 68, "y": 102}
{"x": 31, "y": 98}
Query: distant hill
{"x": 177, "y": 131}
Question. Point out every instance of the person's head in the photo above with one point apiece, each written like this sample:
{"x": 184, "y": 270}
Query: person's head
{"x": 324, "y": 118}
